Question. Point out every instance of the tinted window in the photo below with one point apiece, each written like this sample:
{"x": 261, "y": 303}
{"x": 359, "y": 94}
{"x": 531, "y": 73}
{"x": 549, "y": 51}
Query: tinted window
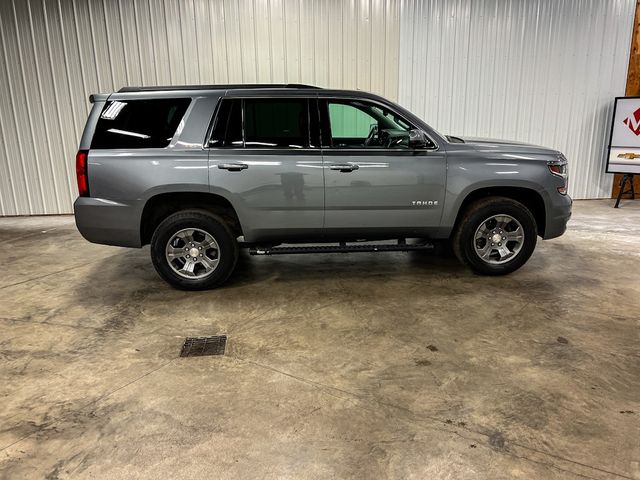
{"x": 273, "y": 123}
{"x": 227, "y": 129}
{"x": 266, "y": 123}
{"x": 349, "y": 122}
{"x": 314, "y": 124}
{"x": 139, "y": 123}
{"x": 358, "y": 124}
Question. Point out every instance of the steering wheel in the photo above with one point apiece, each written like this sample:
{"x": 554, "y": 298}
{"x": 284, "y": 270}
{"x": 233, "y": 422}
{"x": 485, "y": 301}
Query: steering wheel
{"x": 372, "y": 134}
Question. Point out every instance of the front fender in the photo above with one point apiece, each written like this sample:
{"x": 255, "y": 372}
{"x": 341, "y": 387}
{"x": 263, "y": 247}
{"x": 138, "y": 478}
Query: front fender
{"x": 466, "y": 176}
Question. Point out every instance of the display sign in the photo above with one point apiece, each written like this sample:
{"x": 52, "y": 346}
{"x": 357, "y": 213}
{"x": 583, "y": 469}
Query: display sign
{"x": 624, "y": 143}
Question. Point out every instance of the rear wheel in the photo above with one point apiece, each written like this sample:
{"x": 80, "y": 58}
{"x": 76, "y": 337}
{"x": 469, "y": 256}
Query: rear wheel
{"x": 495, "y": 236}
{"x": 194, "y": 250}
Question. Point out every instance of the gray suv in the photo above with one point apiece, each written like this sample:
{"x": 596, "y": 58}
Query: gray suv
{"x": 201, "y": 171}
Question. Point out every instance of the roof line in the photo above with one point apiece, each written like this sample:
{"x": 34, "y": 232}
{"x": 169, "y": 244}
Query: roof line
{"x": 215, "y": 87}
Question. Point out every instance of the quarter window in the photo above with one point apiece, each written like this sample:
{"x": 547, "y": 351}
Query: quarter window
{"x": 139, "y": 123}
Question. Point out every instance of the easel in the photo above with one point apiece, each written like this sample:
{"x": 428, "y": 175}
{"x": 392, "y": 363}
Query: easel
{"x": 627, "y": 177}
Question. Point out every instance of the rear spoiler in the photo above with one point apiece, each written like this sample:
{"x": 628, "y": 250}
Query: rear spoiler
{"x": 98, "y": 97}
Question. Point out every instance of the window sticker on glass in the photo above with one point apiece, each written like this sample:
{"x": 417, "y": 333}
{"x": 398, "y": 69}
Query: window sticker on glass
{"x": 113, "y": 110}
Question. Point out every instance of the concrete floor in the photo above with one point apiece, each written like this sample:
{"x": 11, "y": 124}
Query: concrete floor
{"x": 338, "y": 366}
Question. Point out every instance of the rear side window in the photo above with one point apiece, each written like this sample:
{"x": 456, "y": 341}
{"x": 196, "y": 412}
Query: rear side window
{"x": 227, "y": 129}
{"x": 262, "y": 123}
{"x": 139, "y": 123}
{"x": 276, "y": 123}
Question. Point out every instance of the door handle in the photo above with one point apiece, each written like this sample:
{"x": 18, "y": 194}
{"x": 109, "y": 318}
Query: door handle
{"x": 344, "y": 167}
{"x": 233, "y": 167}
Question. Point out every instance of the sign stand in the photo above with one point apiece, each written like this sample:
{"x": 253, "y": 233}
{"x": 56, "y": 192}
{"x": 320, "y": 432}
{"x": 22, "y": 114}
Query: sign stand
{"x": 627, "y": 177}
{"x": 623, "y": 155}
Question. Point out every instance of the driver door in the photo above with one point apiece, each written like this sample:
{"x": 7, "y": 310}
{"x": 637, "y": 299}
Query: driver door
{"x": 373, "y": 179}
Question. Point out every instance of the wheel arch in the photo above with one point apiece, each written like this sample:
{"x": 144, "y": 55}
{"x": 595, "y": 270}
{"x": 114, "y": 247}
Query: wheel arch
{"x": 160, "y": 206}
{"x": 530, "y": 198}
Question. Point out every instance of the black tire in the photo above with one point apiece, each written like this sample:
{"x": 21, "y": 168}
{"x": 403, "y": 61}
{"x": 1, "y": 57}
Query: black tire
{"x": 463, "y": 240}
{"x": 207, "y": 222}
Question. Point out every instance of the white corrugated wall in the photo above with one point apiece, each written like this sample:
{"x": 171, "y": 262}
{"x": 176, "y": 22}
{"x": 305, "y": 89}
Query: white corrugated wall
{"x": 54, "y": 53}
{"x": 543, "y": 71}
{"x": 538, "y": 71}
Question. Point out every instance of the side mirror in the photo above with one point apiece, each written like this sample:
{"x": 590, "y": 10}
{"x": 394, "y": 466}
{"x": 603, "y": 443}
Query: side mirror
{"x": 418, "y": 139}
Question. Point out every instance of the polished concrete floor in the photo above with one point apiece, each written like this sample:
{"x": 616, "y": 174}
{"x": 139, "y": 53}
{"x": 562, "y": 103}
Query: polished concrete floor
{"x": 361, "y": 366}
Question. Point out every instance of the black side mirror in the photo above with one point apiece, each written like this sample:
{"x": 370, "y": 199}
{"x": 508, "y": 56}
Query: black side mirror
{"x": 418, "y": 139}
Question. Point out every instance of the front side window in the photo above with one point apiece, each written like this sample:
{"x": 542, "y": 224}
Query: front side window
{"x": 139, "y": 123}
{"x": 358, "y": 124}
{"x": 262, "y": 123}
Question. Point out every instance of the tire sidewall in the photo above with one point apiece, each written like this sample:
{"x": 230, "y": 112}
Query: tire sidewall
{"x": 211, "y": 224}
{"x": 476, "y": 216}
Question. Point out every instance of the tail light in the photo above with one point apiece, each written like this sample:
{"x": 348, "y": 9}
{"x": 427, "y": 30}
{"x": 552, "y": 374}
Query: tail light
{"x": 81, "y": 173}
{"x": 559, "y": 168}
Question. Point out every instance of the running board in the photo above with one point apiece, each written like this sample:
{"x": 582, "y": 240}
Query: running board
{"x": 342, "y": 248}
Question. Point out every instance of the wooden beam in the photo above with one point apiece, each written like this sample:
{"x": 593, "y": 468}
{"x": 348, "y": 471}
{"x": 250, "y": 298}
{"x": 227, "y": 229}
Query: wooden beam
{"x": 633, "y": 85}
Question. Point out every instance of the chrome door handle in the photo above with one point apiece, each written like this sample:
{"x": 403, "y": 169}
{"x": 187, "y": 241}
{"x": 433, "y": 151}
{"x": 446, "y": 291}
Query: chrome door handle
{"x": 233, "y": 167}
{"x": 344, "y": 167}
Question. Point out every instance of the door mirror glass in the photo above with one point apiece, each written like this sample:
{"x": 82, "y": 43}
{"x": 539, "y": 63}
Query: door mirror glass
{"x": 418, "y": 139}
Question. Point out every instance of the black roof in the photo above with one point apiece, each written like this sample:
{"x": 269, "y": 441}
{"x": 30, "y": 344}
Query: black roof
{"x": 215, "y": 87}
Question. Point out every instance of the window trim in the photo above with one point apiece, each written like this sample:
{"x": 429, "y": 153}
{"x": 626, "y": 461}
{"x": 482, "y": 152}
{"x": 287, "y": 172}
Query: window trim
{"x": 317, "y": 99}
{"x": 212, "y": 123}
{"x": 364, "y": 149}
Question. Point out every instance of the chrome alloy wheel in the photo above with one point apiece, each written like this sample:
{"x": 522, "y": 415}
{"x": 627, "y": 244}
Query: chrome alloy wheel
{"x": 498, "y": 239}
{"x": 192, "y": 253}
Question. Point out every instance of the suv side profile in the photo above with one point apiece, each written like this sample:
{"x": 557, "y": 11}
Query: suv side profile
{"x": 198, "y": 172}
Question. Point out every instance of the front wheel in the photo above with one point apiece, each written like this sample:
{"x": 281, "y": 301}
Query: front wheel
{"x": 194, "y": 250}
{"x": 495, "y": 236}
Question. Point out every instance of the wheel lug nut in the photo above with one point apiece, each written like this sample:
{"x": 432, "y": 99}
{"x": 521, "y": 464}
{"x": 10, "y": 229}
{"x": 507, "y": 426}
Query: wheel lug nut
{"x": 504, "y": 238}
{"x": 499, "y": 244}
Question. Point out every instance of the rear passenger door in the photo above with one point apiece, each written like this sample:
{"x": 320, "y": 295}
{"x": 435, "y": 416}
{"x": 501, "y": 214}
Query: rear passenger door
{"x": 264, "y": 157}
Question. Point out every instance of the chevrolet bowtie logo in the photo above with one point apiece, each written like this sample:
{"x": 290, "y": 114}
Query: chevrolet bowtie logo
{"x": 629, "y": 156}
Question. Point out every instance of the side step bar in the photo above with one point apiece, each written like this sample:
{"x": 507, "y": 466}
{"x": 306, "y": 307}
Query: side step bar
{"x": 342, "y": 248}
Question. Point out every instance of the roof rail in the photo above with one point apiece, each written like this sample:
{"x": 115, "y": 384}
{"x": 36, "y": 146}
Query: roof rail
{"x": 215, "y": 87}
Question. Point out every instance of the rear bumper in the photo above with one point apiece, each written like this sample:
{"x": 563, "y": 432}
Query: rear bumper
{"x": 558, "y": 214}
{"x": 107, "y": 222}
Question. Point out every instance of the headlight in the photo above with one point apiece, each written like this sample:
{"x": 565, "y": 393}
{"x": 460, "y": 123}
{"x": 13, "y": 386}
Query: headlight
{"x": 560, "y": 168}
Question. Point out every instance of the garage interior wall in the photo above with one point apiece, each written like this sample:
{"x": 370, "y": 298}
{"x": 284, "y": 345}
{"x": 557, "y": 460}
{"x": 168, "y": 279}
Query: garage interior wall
{"x": 540, "y": 71}
{"x": 57, "y": 52}
{"x": 537, "y": 71}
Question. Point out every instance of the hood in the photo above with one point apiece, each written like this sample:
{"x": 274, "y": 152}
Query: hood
{"x": 507, "y": 146}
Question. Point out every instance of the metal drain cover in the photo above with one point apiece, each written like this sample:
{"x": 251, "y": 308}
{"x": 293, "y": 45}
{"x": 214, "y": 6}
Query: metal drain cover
{"x": 200, "y": 346}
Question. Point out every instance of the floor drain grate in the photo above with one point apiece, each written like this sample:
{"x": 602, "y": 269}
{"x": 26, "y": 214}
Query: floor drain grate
{"x": 200, "y": 346}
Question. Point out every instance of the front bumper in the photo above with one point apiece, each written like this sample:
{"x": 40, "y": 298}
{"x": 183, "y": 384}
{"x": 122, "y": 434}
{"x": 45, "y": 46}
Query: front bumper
{"x": 558, "y": 214}
{"x": 107, "y": 222}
